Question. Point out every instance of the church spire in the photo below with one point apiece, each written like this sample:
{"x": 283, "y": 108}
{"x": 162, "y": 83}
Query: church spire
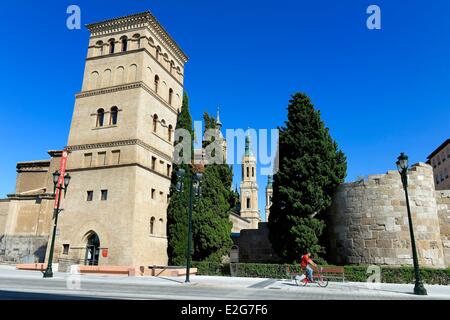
{"x": 218, "y": 123}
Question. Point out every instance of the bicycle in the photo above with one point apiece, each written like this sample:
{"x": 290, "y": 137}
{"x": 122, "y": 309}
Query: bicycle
{"x": 317, "y": 277}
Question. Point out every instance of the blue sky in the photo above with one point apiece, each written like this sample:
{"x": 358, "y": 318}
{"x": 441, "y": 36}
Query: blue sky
{"x": 379, "y": 91}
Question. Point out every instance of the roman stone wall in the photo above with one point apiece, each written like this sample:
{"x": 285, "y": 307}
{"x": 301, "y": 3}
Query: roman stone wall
{"x": 368, "y": 222}
{"x": 443, "y": 201}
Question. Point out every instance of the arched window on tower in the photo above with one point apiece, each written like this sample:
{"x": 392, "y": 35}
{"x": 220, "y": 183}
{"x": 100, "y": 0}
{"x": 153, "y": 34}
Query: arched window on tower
{"x": 161, "y": 226}
{"x": 156, "y": 83}
{"x": 170, "y": 96}
{"x": 114, "y": 115}
{"x": 152, "y": 225}
{"x": 170, "y": 130}
{"x": 155, "y": 122}
{"x": 253, "y": 171}
{"x": 124, "y": 41}
{"x": 248, "y": 172}
{"x": 137, "y": 39}
{"x": 111, "y": 45}
{"x": 172, "y": 65}
{"x": 100, "y": 117}
{"x": 158, "y": 52}
{"x": 99, "y": 46}
{"x": 248, "y": 203}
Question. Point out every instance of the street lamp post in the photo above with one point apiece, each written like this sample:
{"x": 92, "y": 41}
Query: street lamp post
{"x": 56, "y": 186}
{"x": 194, "y": 188}
{"x": 402, "y": 165}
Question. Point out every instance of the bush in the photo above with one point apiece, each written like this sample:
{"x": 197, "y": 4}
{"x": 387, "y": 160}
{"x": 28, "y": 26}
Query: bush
{"x": 211, "y": 269}
{"x": 259, "y": 270}
{"x": 352, "y": 273}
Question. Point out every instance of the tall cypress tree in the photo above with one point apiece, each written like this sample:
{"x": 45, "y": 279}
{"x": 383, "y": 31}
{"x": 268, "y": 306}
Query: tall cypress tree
{"x": 211, "y": 224}
{"x": 177, "y": 214}
{"x": 310, "y": 168}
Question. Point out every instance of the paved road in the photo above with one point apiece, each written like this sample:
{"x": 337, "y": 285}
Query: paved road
{"x": 16, "y": 284}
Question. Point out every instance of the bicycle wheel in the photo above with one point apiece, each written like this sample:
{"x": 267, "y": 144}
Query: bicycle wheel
{"x": 321, "y": 281}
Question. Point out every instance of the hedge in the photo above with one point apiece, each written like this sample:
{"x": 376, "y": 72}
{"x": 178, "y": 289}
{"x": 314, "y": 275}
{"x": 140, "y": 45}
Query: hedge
{"x": 352, "y": 273}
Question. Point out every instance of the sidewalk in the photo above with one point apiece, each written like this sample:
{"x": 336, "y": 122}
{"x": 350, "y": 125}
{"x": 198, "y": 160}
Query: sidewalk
{"x": 248, "y": 288}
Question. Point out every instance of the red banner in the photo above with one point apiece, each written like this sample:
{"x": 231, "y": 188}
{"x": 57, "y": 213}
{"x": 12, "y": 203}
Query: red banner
{"x": 62, "y": 171}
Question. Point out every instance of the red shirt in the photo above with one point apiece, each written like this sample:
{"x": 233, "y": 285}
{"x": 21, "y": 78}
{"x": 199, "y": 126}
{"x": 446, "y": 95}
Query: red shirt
{"x": 305, "y": 261}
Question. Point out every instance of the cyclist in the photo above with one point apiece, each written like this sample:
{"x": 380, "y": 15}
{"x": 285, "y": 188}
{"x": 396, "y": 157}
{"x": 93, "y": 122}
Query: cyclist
{"x": 306, "y": 263}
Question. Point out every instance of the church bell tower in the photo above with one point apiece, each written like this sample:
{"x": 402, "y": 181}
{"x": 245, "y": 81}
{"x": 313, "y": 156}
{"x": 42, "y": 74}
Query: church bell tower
{"x": 249, "y": 186}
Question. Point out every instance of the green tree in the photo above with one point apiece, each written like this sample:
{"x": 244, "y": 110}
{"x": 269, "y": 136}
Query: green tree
{"x": 177, "y": 213}
{"x": 310, "y": 168}
{"x": 211, "y": 224}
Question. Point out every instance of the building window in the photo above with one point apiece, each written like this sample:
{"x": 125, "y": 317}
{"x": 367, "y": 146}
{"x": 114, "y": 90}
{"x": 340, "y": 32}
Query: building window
{"x": 99, "y": 45}
{"x": 248, "y": 203}
{"x": 170, "y": 96}
{"x": 124, "y": 44}
{"x": 156, "y": 83}
{"x": 161, "y": 226}
{"x": 100, "y": 117}
{"x": 101, "y": 158}
{"x": 87, "y": 160}
{"x": 90, "y": 195}
{"x": 152, "y": 225}
{"x": 115, "y": 156}
{"x": 169, "y": 167}
{"x": 104, "y": 195}
{"x": 253, "y": 171}
{"x": 153, "y": 194}
{"x": 170, "y": 130}
{"x": 114, "y": 114}
{"x": 158, "y": 52}
{"x": 137, "y": 38}
{"x": 155, "y": 122}
{"x": 153, "y": 163}
{"x": 248, "y": 172}
{"x": 111, "y": 46}
{"x": 66, "y": 249}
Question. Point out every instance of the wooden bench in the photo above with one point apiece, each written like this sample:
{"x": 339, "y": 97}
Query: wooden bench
{"x": 328, "y": 272}
{"x": 332, "y": 272}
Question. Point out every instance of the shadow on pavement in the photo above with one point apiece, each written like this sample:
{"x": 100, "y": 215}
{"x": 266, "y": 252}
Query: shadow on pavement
{"x": 173, "y": 280}
{"x": 16, "y": 295}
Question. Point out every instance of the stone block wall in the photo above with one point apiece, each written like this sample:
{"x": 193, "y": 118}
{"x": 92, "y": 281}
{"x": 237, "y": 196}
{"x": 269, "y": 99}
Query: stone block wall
{"x": 255, "y": 246}
{"x": 443, "y": 202}
{"x": 368, "y": 222}
{"x": 4, "y": 210}
{"x": 23, "y": 249}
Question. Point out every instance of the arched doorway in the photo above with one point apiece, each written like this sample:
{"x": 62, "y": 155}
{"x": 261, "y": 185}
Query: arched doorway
{"x": 92, "y": 250}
